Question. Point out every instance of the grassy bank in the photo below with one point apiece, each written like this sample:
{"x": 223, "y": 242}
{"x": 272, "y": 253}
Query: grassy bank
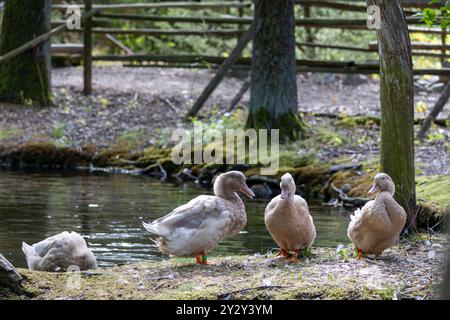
{"x": 410, "y": 270}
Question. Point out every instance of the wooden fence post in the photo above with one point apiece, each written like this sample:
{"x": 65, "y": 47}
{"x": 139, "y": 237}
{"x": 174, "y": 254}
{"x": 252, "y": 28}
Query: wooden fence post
{"x": 309, "y": 33}
{"x": 87, "y": 54}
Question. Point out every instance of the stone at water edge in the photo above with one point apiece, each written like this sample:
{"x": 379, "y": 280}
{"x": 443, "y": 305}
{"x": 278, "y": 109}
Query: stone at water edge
{"x": 8, "y": 274}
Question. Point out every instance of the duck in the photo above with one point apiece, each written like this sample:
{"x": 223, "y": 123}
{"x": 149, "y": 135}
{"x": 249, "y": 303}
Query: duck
{"x": 288, "y": 220}
{"x": 59, "y": 252}
{"x": 196, "y": 227}
{"x": 377, "y": 226}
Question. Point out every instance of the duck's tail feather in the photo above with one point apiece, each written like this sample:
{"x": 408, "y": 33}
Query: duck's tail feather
{"x": 30, "y": 254}
{"x": 155, "y": 229}
{"x": 158, "y": 234}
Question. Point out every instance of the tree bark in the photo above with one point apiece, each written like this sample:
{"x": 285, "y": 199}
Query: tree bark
{"x": 25, "y": 79}
{"x": 397, "y": 104}
{"x": 9, "y": 277}
{"x": 273, "y": 102}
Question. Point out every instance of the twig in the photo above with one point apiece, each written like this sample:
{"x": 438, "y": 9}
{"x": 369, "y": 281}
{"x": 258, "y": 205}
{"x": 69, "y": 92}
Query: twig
{"x": 343, "y": 197}
{"x": 226, "y": 294}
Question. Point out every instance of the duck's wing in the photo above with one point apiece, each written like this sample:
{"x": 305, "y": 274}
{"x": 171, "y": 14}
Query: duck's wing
{"x": 373, "y": 215}
{"x": 64, "y": 240}
{"x": 189, "y": 216}
{"x": 272, "y": 204}
{"x": 301, "y": 203}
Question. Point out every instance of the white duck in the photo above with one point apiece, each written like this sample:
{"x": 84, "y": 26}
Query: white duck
{"x": 57, "y": 253}
{"x": 191, "y": 230}
{"x": 377, "y": 226}
{"x": 288, "y": 220}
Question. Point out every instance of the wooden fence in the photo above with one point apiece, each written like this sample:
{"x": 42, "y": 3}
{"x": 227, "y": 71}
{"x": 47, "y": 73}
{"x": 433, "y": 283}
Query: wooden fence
{"x": 99, "y": 20}
{"x": 234, "y": 27}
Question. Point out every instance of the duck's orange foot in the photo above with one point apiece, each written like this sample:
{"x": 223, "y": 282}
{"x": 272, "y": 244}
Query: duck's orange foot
{"x": 359, "y": 254}
{"x": 294, "y": 256}
{"x": 202, "y": 259}
{"x": 282, "y": 254}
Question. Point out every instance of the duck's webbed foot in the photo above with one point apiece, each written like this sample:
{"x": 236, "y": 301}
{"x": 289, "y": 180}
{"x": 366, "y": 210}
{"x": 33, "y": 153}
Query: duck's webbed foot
{"x": 359, "y": 254}
{"x": 294, "y": 256}
{"x": 203, "y": 259}
{"x": 282, "y": 254}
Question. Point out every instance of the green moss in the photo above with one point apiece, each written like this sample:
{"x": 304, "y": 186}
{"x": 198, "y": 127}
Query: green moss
{"x": 110, "y": 157}
{"x": 44, "y": 154}
{"x": 132, "y": 139}
{"x": 360, "y": 183}
{"x": 433, "y": 197}
{"x": 434, "y": 190}
{"x": 354, "y": 121}
{"x": 295, "y": 160}
{"x": 328, "y": 137}
{"x": 291, "y": 125}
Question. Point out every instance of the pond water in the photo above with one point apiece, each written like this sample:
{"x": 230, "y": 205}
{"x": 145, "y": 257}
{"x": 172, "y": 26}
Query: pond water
{"x": 107, "y": 211}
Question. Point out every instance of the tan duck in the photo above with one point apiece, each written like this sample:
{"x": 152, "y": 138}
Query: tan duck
{"x": 193, "y": 229}
{"x": 288, "y": 220}
{"x": 377, "y": 226}
{"x": 57, "y": 253}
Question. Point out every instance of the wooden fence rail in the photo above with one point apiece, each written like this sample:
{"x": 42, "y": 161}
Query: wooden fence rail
{"x": 42, "y": 38}
{"x": 170, "y": 32}
{"x": 162, "y": 5}
{"x": 303, "y": 65}
{"x": 99, "y": 25}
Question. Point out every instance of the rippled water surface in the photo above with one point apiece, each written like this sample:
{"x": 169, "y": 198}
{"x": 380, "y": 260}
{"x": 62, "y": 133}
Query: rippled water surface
{"x": 107, "y": 211}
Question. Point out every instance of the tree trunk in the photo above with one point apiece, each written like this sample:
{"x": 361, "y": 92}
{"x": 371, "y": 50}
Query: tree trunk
{"x": 25, "y": 79}
{"x": 397, "y": 104}
{"x": 10, "y": 279}
{"x": 273, "y": 102}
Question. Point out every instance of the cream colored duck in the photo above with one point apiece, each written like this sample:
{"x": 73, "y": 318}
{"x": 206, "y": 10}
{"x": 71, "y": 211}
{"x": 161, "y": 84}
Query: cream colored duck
{"x": 193, "y": 229}
{"x": 288, "y": 220}
{"x": 376, "y": 226}
{"x": 57, "y": 253}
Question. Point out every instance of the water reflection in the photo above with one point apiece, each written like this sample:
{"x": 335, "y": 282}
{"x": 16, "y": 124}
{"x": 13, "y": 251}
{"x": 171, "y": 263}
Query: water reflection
{"x": 108, "y": 209}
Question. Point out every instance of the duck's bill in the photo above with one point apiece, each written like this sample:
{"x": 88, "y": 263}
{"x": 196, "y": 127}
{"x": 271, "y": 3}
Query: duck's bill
{"x": 373, "y": 189}
{"x": 247, "y": 191}
{"x": 284, "y": 193}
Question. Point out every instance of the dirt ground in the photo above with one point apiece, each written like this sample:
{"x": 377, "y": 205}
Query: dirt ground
{"x": 146, "y": 102}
